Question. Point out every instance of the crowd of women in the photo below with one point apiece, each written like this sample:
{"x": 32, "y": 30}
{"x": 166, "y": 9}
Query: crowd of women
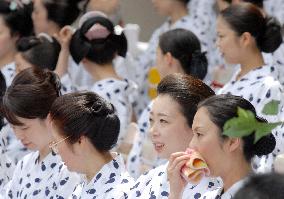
{"x": 78, "y": 120}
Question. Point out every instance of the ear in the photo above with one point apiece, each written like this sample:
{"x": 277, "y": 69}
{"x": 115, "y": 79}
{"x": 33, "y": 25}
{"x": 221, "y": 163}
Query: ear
{"x": 246, "y": 39}
{"x": 233, "y": 144}
{"x": 168, "y": 58}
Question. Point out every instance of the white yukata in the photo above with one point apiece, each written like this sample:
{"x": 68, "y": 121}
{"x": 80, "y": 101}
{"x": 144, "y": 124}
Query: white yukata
{"x": 48, "y": 178}
{"x": 121, "y": 94}
{"x": 260, "y": 86}
{"x": 154, "y": 185}
{"x": 278, "y": 60}
{"x": 9, "y": 72}
{"x": 275, "y": 8}
{"x": 229, "y": 194}
{"x": 7, "y": 166}
{"x": 111, "y": 182}
{"x": 147, "y": 60}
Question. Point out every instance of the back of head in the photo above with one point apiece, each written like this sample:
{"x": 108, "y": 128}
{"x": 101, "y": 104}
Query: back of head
{"x": 41, "y": 51}
{"x": 187, "y": 91}
{"x": 264, "y": 186}
{"x": 221, "y": 108}
{"x": 86, "y": 114}
{"x": 62, "y": 12}
{"x": 31, "y": 95}
{"x": 185, "y": 47}
{"x": 17, "y": 16}
{"x": 246, "y": 17}
{"x": 97, "y": 41}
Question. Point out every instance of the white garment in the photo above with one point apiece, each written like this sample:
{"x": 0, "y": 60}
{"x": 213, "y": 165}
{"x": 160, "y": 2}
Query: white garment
{"x": 112, "y": 181}
{"x": 6, "y": 164}
{"x": 9, "y": 72}
{"x": 154, "y": 184}
{"x": 260, "y": 86}
{"x": 121, "y": 94}
{"x": 48, "y": 178}
{"x": 229, "y": 194}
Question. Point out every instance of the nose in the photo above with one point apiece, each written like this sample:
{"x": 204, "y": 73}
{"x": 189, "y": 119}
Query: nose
{"x": 193, "y": 143}
{"x": 154, "y": 131}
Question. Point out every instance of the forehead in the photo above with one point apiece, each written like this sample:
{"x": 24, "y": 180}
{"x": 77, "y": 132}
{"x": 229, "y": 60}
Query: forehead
{"x": 165, "y": 103}
{"x": 202, "y": 119}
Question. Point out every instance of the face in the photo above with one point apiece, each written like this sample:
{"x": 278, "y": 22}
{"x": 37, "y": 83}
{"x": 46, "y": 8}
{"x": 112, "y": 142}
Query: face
{"x": 107, "y": 6}
{"x": 228, "y": 42}
{"x": 169, "y": 130}
{"x": 33, "y": 133}
{"x": 206, "y": 140}
{"x": 40, "y": 17}
{"x": 7, "y": 41}
{"x": 67, "y": 152}
{"x": 21, "y": 63}
{"x": 161, "y": 63}
{"x": 163, "y": 7}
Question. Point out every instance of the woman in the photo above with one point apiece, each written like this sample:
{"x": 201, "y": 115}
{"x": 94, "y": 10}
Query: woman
{"x": 171, "y": 119}
{"x": 15, "y": 22}
{"x": 243, "y": 33}
{"x": 227, "y": 157}
{"x": 178, "y": 16}
{"x": 95, "y": 45}
{"x": 179, "y": 51}
{"x": 26, "y": 103}
{"x": 85, "y": 128}
{"x": 42, "y": 52}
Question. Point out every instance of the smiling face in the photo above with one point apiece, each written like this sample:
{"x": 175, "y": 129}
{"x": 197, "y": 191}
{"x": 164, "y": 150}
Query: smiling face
{"x": 169, "y": 129}
{"x": 33, "y": 134}
{"x": 228, "y": 42}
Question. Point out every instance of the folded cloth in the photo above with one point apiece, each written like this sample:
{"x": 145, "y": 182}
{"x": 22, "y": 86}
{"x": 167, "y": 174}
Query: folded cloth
{"x": 195, "y": 168}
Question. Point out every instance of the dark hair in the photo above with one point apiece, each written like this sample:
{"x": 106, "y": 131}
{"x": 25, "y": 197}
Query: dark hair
{"x": 88, "y": 114}
{"x": 185, "y": 47}
{"x": 263, "y": 186}
{"x": 2, "y": 91}
{"x": 62, "y": 12}
{"x": 187, "y": 91}
{"x": 221, "y": 108}
{"x": 100, "y": 51}
{"x": 19, "y": 20}
{"x": 30, "y": 95}
{"x": 39, "y": 51}
{"x": 246, "y": 17}
{"x": 184, "y": 1}
{"x": 258, "y": 3}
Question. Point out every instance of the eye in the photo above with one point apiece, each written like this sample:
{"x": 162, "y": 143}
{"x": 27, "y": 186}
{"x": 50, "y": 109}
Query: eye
{"x": 151, "y": 121}
{"x": 163, "y": 121}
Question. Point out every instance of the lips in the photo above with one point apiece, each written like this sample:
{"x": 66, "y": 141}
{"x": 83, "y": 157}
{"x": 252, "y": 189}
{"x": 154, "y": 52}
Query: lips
{"x": 158, "y": 146}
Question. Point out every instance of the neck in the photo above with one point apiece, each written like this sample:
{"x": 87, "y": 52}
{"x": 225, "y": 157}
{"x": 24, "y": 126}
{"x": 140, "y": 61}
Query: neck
{"x": 7, "y": 59}
{"x": 53, "y": 29}
{"x": 250, "y": 64}
{"x": 241, "y": 170}
{"x": 95, "y": 162}
{"x": 100, "y": 72}
{"x": 44, "y": 152}
{"x": 178, "y": 12}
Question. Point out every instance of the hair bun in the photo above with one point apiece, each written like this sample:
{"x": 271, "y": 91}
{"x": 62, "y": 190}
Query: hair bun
{"x": 272, "y": 36}
{"x": 55, "y": 81}
{"x": 265, "y": 145}
{"x": 199, "y": 64}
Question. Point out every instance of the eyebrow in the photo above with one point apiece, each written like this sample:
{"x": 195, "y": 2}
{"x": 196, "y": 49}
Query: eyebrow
{"x": 160, "y": 114}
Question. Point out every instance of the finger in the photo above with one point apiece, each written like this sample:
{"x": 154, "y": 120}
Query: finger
{"x": 176, "y": 161}
{"x": 175, "y": 155}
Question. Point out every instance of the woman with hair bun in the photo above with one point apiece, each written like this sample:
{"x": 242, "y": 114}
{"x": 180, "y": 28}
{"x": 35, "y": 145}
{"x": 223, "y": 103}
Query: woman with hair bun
{"x": 95, "y": 45}
{"x": 227, "y": 157}
{"x": 85, "y": 128}
{"x": 243, "y": 33}
{"x": 15, "y": 23}
{"x": 179, "y": 51}
{"x": 26, "y": 104}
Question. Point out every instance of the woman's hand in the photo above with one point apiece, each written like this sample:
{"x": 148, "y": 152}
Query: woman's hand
{"x": 177, "y": 182}
{"x": 64, "y": 37}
